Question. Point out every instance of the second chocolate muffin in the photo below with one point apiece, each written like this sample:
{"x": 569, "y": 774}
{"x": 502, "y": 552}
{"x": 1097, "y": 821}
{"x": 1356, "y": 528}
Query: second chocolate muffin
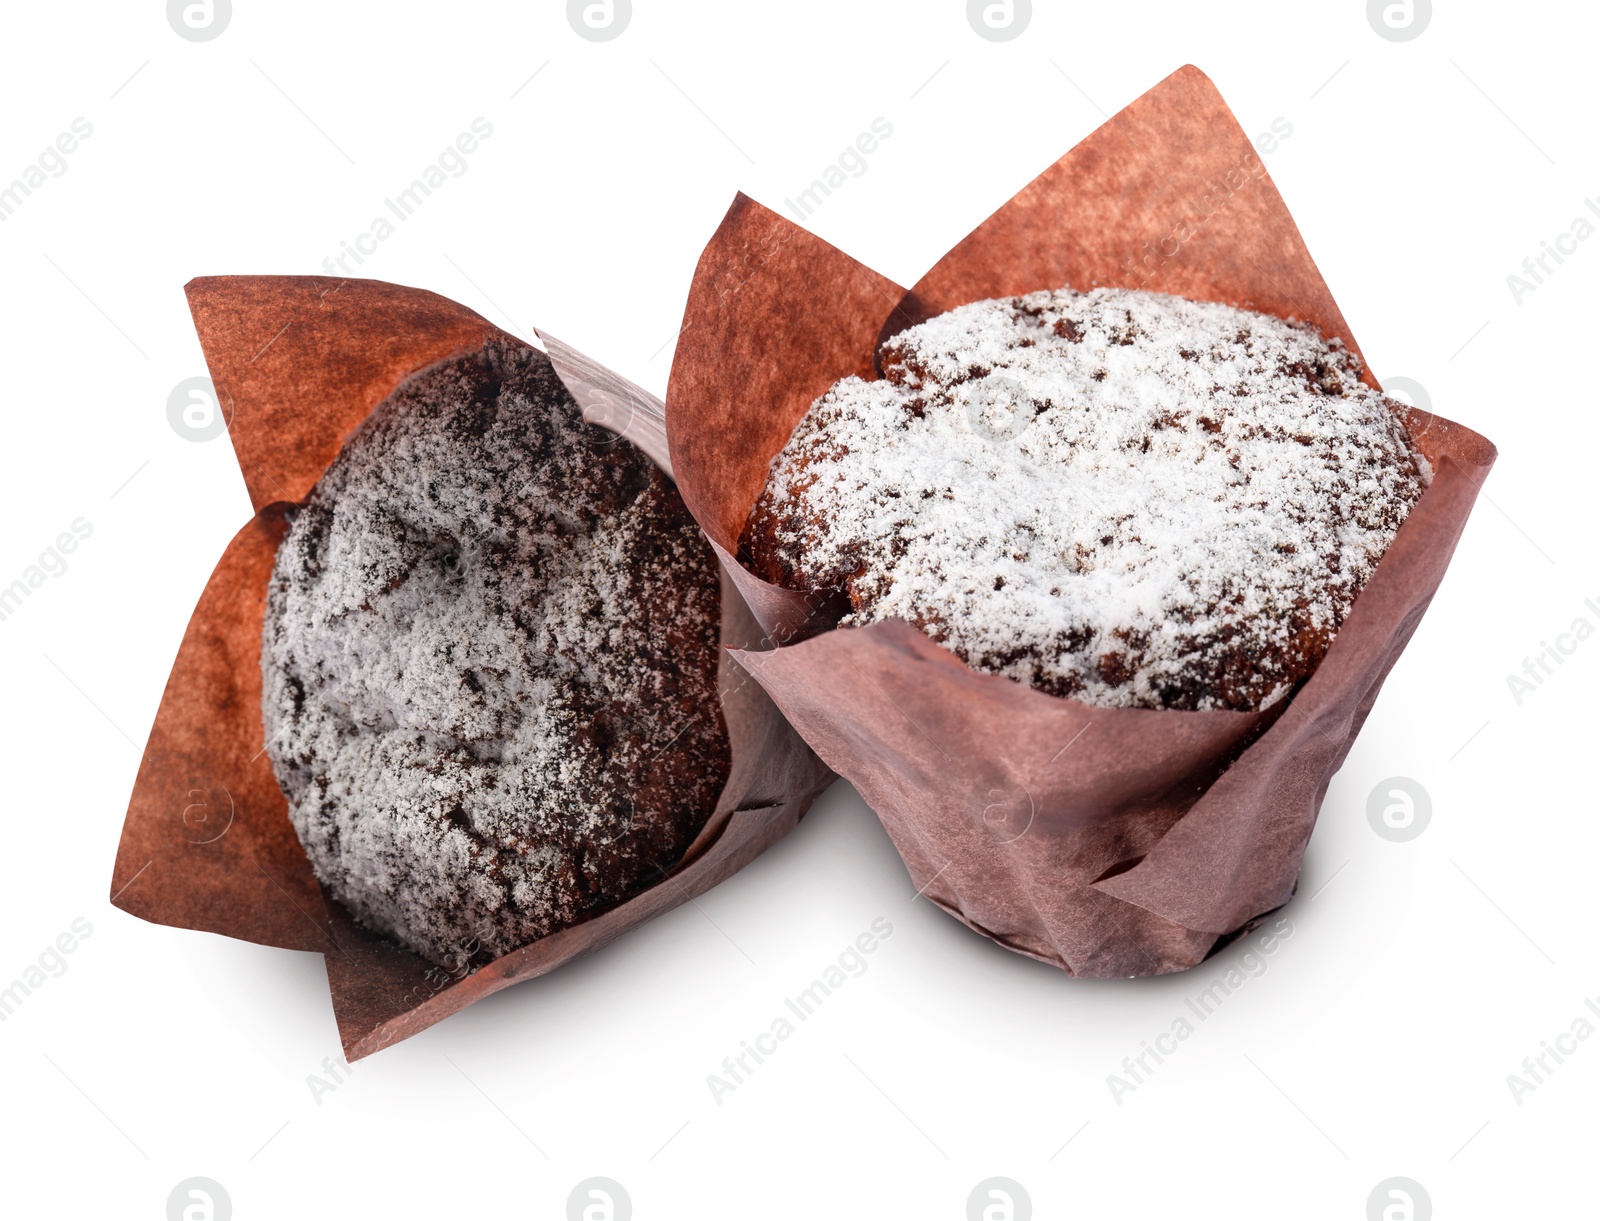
{"x": 489, "y": 664}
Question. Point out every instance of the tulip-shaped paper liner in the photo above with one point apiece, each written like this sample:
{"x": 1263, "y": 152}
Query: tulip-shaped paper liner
{"x": 298, "y": 362}
{"x": 1108, "y": 841}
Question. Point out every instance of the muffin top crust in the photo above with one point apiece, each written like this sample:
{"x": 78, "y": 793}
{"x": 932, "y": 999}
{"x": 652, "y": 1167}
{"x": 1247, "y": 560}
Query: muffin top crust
{"x": 490, "y": 664}
{"x": 1127, "y": 498}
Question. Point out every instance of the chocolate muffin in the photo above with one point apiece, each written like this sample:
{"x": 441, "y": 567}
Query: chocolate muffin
{"x": 1127, "y": 498}
{"x": 490, "y": 664}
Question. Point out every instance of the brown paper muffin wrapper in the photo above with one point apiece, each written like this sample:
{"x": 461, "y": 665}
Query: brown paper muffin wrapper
{"x": 298, "y": 362}
{"x": 1110, "y": 842}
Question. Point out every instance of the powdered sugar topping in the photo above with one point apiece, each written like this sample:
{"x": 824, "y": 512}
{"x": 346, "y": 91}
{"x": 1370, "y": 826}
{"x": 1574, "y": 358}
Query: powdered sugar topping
{"x": 1125, "y": 497}
{"x": 489, "y": 664}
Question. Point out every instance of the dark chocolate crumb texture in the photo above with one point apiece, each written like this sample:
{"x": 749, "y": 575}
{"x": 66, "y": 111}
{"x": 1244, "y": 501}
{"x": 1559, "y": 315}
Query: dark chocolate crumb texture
{"x": 490, "y": 664}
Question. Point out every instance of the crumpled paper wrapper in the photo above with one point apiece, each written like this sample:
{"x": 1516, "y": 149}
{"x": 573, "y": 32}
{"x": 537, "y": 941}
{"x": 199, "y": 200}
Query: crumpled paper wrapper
{"x": 1110, "y": 842}
{"x": 298, "y": 362}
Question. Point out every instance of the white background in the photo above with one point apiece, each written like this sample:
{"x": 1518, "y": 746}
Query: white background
{"x": 1379, "y": 1039}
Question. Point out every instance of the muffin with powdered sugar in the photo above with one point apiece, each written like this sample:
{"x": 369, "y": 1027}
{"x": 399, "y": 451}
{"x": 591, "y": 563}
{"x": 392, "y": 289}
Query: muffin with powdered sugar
{"x": 490, "y": 664}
